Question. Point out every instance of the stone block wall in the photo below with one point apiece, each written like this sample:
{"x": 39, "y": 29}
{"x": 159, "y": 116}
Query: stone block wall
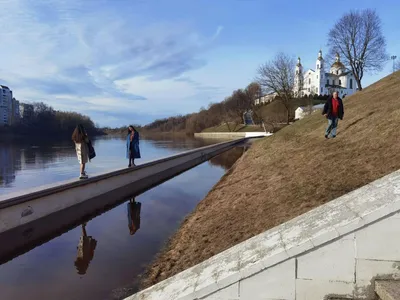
{"x": 337, "y": 250}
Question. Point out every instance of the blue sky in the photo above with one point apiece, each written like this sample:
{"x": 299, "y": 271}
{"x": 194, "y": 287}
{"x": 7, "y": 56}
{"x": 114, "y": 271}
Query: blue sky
{"x": 131, "y": 61}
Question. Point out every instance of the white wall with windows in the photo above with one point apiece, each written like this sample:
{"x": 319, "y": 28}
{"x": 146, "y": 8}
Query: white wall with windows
{"x": 317, "y": 81}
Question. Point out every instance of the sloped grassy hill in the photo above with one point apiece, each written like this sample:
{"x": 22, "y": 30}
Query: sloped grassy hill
{"x": 287, "y": 174}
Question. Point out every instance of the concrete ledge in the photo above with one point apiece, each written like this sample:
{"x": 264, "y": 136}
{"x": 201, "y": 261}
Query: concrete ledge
{"x": 231, "y": 135}
{"x": 295, "y": 251}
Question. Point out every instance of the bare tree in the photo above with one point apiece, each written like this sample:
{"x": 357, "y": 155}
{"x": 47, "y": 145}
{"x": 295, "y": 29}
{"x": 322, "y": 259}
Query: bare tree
{"x": 358, "y": 38}
{"x": 310, "y": 100}
{"x": 277, "y": 76}
{"x": 229, "y": 114}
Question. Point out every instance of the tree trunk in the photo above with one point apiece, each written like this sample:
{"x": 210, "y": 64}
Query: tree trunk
{"x": 359, "y": 84}
{"x": 288, "y": 115}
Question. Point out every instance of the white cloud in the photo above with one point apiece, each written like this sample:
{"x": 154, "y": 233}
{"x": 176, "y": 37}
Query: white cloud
{"x": 77, "y": 55}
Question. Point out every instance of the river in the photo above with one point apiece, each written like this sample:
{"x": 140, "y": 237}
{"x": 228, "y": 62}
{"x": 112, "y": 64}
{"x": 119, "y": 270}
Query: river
{"x": 103, "y": 258}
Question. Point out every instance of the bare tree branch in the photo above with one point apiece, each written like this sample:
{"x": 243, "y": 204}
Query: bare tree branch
{"x": 397, "y": 66}
{"x": 277, "y": 76}
{"x": 358, "y": 38}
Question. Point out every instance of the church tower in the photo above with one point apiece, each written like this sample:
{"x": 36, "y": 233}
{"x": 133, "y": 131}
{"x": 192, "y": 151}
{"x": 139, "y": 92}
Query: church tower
{"x": 298, "y": 79}
{"x": 319, "y": 75}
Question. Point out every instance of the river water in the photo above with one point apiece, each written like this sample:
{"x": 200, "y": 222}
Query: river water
{"x": 104, "y": 257}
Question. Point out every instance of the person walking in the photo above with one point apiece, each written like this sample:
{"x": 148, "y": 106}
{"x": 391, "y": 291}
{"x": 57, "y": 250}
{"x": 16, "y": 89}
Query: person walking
{"x": 81, "y": 140}
{"x": 333, "y": 111}
{"x": 132, "y": 145}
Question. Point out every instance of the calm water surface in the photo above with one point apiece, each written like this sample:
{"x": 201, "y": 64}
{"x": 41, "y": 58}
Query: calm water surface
{"x": 104, "y": 258}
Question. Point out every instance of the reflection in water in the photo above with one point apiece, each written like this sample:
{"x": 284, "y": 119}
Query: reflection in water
{"x": 48, "y": 272}
{"x": 133, "y": 215}
{"x": 17, "y": 157}
{"x": 228, "y": 158}
{"x": 8, "y": 164}
{"x": 87, "y": 245}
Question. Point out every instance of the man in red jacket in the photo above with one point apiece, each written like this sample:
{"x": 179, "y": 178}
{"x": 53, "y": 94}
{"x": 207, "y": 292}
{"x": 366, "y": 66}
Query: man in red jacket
{"x": 333, "y": 111}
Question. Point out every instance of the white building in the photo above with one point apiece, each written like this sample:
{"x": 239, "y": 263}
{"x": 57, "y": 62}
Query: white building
{"x": 302, "y": 111}
{"x": 265, "y": 99}
{"x": 6, "y": 106}
{"x": 320, "y": 82}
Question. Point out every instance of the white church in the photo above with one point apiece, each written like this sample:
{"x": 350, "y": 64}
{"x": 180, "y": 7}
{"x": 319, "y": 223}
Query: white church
{"x": 319, "y": 82}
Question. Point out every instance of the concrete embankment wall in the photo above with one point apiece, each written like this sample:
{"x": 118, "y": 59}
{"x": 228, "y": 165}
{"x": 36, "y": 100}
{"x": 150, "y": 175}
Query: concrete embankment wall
{"x": 22, "y": 214}
{"x": 231, "y": 135}
{"x": 334, "y": 251}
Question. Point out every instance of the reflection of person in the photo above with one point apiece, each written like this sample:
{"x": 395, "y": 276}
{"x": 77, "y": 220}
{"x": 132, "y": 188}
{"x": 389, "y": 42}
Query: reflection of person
{"x": 81, "y": 140}
{"x": 133, "y": 216}
{"x": 132, "y": 145}
{"x": 86, "y": 247}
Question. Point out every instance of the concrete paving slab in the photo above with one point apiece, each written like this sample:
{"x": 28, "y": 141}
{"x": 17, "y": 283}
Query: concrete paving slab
{"x": 370, "y": 240}
{"x": 273, "y": 283}
{"x": 334, "y": 261}
{"x": 369, "y": 269}
{"x": 321, "y": 289}
{"x": 229, "y": 293}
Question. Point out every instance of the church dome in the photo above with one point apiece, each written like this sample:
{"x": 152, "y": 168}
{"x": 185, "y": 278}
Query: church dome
{"x": 338, "y": 65}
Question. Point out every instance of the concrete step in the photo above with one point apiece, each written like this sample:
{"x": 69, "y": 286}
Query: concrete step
{"x": 388, "y": 289}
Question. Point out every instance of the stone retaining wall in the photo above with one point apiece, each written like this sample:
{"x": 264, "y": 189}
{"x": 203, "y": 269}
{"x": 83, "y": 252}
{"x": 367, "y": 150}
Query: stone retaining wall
{"x": 337, "y": 249}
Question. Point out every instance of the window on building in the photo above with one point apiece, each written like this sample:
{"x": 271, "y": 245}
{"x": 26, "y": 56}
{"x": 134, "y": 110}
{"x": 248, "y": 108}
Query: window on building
{"x": 351, "y": 82}
{"x": 340, "y": 82}
{"x": 309, "y": 80}
{"x": 308, "y": 88}
{"x": 337, "y": 72}
{"x": 327, "y": 81}
{"x": 322, "y": 90}
{"x": 297, "y": 72}
{"x": 333, "y": 81}
{"x": 318, "y": 66}
{"x": 316, "y": 90}
{"x": 317, "y": 76}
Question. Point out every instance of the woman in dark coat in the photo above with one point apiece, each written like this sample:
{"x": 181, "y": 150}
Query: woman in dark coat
{"x": 132, "y": 145}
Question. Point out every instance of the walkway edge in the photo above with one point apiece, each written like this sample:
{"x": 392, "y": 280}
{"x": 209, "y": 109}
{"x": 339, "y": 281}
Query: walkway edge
{"x": 20, "y": 208}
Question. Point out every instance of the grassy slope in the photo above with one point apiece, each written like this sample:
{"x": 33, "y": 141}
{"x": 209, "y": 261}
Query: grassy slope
{"x": 287, "y": 174}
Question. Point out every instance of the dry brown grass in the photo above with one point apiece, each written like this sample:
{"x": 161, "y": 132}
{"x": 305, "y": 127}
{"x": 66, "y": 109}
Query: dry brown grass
{"x": 287, "y": 174}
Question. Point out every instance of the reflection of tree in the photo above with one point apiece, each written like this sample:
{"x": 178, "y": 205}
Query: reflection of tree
{"x": 228, "y": 158}
{"x": 86, "y": 247}
{"x": 133, "y": 216}
{"x": 179, "y": 142}
{"x": 17, "y": 155}
{"x": 9, "y": 163}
